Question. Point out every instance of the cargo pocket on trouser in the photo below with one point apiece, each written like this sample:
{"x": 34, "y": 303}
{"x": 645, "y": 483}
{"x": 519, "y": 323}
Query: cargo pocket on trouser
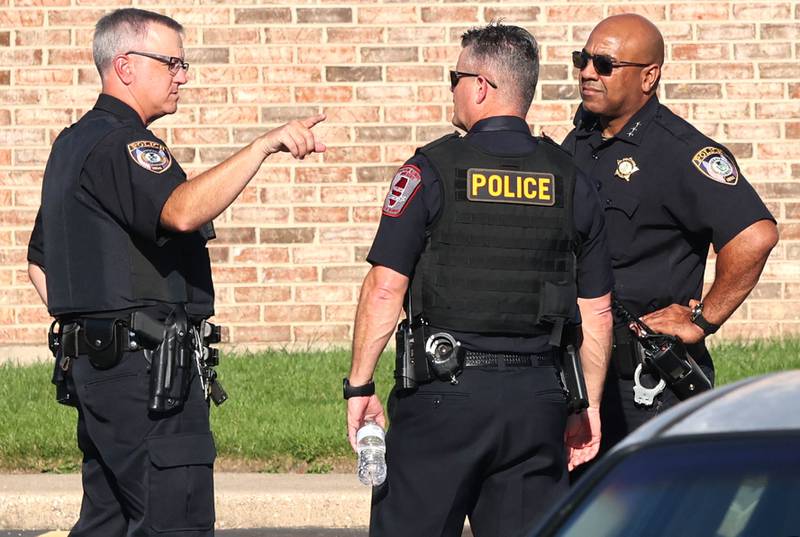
{"x": 181, "y": 482}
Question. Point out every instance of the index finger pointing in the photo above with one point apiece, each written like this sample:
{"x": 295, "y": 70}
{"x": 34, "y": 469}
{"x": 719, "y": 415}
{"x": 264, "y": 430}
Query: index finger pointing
{"x": 313, "y": 120}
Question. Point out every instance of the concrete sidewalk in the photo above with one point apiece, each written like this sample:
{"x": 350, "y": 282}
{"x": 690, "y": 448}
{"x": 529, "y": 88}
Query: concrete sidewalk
{"x": 35, "y": 501}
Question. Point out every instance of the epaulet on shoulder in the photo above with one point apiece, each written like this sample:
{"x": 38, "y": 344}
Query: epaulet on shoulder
{"x": 439, "y": 141}
{"x": 678, "y": 127}
{"x": 555, "y": 150}
{"x": 550, "y": 142}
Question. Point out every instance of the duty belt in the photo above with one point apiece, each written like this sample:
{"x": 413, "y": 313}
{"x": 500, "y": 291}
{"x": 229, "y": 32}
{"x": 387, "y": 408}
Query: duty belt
{"x": 72, "y": 345}
{"x": 489, "y": 359}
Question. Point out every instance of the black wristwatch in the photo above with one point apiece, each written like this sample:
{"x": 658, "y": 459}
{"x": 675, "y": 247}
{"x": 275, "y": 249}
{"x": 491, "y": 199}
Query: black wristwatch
{"x": 698, "y": 319}
{"x": 349, "y": 391}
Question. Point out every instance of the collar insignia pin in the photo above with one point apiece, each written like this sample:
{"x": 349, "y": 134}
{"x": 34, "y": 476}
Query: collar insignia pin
{"x": 633, "y": 129}
{"x": 625, "y": 168}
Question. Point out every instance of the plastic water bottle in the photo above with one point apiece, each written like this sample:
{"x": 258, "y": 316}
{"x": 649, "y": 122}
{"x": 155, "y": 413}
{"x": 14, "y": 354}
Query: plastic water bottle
{"x": 371, "y": 449}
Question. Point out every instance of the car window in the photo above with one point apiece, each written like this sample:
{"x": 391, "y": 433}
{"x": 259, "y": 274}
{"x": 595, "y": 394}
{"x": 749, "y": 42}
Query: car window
{"x": 723, "y": 487}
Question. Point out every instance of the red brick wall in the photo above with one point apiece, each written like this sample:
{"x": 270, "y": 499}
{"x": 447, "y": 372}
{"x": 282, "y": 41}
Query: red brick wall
{"x": 290, "y": 254}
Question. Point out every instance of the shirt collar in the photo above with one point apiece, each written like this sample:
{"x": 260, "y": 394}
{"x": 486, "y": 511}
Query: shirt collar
{"x": 500, "y": 123}
{"x": 634, "y": 130}
{"x": 114, "y": 106}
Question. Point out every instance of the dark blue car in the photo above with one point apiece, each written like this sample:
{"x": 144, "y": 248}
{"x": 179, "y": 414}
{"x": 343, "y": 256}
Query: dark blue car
{"x": 723, "y": 464}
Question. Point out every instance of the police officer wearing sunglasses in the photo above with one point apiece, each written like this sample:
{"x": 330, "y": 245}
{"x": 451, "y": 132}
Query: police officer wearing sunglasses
{"x": 118, "y": 254}
{"x": 487, "y": 240}
{"x": 669, "y": 192}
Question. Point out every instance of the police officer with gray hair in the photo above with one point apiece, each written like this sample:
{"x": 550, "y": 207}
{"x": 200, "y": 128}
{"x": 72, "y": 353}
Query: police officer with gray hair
{"x": 488, "y": 241}
{"x": 118, "y": 255}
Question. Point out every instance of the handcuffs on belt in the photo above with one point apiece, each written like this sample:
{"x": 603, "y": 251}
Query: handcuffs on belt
{"x": 666, "y": 356}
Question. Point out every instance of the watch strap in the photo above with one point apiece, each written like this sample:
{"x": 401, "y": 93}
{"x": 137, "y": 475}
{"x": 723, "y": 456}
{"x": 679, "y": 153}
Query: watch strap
{"x": 348, "y": 390}
{"x": 708, "y": 328}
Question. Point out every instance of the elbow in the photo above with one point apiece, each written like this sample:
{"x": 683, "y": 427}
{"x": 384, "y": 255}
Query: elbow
{"x": 764, "y": 239}
{"x": 33, "y": 271}
{"x": 596, "y": 313}
{"x": 184, "y": 226}
{"x": 771, "y": 238}
{"x": 383, "y": 285}
{"x": 177, "y": 223}
{"x": 176, "y": 215}
{"x": 385, "y": 291}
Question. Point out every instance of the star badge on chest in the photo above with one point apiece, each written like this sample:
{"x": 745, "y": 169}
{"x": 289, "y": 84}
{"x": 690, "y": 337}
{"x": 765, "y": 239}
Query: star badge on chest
{"x": 625, "y": 168}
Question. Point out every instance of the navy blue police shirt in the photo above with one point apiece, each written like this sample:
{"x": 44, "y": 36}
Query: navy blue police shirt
{"x": 115, "y": 180}
{"x": 668, "y": 192}
{"x": 400, "y": 239}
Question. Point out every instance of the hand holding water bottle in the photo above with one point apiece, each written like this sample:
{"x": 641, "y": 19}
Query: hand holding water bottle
{"x": 361, "y": 410}
{"x": 371, "y": 449}
{"x": 365, "y": 422}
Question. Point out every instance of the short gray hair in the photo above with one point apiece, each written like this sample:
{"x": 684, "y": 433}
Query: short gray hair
{"x": 121, "y": 30}
{"x": 511, "y": 52}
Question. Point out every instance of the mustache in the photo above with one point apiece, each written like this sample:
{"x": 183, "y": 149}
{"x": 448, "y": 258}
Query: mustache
{"x": 590, "y": 86}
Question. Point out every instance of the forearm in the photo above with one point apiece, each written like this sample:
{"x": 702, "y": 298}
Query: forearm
{"x": 39, "y": 281}
{"x": 203, "y": 198}
{"x": 378, "y": 310}
{"x": 596, "y": 323}
{"x": 738, "y": 267}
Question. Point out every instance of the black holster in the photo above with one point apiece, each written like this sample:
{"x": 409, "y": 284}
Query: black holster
{"x": 678, "y": 369}
{"x": 572, "y": 370}
{"x": 171, "y": 363}
{"x": 411, "y": 364}
{"x": 65, "y": 394}
{"x": 626, "y": 352}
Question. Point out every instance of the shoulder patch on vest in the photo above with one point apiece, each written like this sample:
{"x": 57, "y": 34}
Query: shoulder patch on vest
{"x": 715, "y": 164}
{"x": 505, "y": 186}
{"x": 405, "y": 184}
{"x": 150, "y": 155}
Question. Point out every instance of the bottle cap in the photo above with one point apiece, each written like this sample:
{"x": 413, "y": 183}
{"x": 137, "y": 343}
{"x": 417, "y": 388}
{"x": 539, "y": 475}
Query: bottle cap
{"x": 369, "y": 429}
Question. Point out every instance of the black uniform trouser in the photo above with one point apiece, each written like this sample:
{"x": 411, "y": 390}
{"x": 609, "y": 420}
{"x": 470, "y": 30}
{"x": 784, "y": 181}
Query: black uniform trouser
{"x": 619, "y": 415}
{"x": 143, "y": 474}
{"x": 490, "y": 448}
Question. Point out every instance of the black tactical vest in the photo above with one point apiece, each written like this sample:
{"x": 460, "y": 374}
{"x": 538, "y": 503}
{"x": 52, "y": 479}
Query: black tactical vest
{"x": 92, "y": 263}
{"x": 500, "y": 258}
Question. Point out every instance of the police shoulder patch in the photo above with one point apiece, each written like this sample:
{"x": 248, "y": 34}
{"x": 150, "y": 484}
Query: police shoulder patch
{"x": 405, "y": 184}
{"x": 715, "y": 164}
{"x": 150, "y": 155}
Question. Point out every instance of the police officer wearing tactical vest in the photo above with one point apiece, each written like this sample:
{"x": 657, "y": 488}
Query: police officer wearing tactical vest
{"x": 669, "y": 193}
{"x": 118, "y": 255}
{"x": 488, "y": 241}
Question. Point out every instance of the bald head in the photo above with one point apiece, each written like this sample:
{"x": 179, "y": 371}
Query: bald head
{"x": 638, "y": 39}
{"x": 629, "y": 51}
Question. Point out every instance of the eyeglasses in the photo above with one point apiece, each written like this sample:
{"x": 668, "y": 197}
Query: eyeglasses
{"x": 173, "y": 63}
{"x": 455, "y": 76}
{"x": 603, "y": 63}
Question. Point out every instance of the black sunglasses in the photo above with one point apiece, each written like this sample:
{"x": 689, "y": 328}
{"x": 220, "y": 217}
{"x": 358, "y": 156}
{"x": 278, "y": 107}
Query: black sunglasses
{"x": 603, "y": 64}
{"x": 173, "y": 63}
{"x": 455, "y": 76}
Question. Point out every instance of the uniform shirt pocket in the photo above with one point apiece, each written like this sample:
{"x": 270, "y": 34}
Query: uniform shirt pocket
{"x": 620, "y": 209}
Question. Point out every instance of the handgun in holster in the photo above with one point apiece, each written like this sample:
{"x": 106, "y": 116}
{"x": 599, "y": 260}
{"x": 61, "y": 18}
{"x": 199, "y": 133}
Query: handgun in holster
{"x": 171, "y": 362}
{"x": 572, "y": 370}
{"x": 667, "y": 356}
